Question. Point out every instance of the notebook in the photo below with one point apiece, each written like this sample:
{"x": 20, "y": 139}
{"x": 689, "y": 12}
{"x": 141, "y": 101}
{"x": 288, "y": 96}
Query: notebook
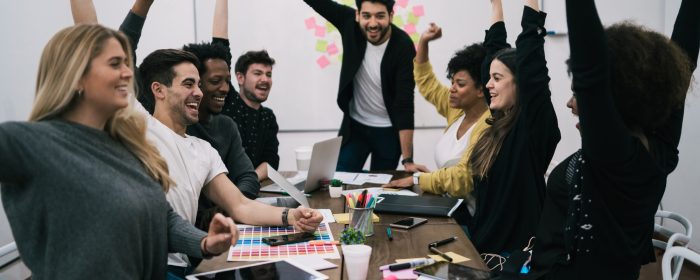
{"x": 417, "y": 205}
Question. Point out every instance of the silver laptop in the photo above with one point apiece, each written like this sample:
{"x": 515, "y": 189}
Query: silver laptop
{"x": 287, "y": 186}
{"x": 324, "y": 158}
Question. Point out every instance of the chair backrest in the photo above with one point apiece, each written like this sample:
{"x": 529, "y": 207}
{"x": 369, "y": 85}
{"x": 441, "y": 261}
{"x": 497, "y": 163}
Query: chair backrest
{"x": 683, "y": 238}
{"x": 673, "y": 253}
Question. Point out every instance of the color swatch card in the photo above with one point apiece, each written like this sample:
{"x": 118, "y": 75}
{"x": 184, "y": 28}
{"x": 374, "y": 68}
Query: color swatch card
{"x": 251, "y": 248}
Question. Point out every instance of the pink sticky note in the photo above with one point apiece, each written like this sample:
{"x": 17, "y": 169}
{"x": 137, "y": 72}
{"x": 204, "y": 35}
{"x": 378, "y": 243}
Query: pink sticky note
{"x": 320, "y": 31}
{"x": 402, "y": 3}
{"x": 323, "y": 61}
{"x": 400, "y": 274}
{"x": 409, "y": 28}
{"x": 418, "y": 10}
{"x": 310, "y": 23}
{"x": 332, "y": 49}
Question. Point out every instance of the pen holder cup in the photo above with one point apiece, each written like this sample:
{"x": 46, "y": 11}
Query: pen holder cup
{"x": 361, "y": 220}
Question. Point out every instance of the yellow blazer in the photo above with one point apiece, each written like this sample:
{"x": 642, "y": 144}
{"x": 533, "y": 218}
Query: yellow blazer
{"x": 455, "y": 180}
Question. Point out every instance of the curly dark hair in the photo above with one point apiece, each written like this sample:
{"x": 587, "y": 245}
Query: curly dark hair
{"x": 388, "y": 3}
{"x": 252, "y": 57}
{"x": 206, "y": 51}
{"x": 468, "y": 59}
{"x": 649, "y": 75}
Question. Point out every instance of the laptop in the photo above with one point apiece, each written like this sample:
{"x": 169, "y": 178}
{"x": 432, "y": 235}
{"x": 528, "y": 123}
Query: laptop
{"x": 324, "y": 158}
{"x": 290, "y": 189}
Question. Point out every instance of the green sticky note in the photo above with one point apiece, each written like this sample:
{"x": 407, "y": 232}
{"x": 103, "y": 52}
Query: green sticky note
{"x": 350, "y": 3}
{"x": 330, "y": 27}
{"x": 398, "y": 21}
{"x": 412, "y": 18}
{"x": 415, "y": 37}
{"x": 321, "y": 46}
{"x": 340, "y": 57}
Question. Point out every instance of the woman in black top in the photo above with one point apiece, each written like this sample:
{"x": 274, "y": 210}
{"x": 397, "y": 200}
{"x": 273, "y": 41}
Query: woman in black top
{"x": 630, "y": 85}
{"x": 509, "y": 161}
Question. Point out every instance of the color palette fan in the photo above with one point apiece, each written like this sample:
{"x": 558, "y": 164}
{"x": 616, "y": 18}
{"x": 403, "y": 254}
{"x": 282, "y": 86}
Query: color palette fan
{"x": 251, "y": 248}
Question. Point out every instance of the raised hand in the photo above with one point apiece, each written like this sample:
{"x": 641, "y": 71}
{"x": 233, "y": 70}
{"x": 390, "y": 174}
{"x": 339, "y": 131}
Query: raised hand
{"x": 433, "y": 32}
{"x": 222, "y": 233}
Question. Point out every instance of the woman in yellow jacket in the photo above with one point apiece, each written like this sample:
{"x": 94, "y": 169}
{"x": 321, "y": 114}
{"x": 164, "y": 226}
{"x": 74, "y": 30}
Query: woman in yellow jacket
{"x": 463, "y": 107}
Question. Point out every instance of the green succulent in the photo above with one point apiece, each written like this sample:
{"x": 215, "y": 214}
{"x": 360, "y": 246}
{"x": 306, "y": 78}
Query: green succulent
{"x": 336, "y": 183}
{"x": 351, "y": 236}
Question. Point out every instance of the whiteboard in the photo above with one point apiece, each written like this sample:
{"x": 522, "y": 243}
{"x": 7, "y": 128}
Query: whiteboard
{"x": 304, "y": 92}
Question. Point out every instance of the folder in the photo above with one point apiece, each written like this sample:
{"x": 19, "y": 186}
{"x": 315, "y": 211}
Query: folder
{"x": 417, "y": 205}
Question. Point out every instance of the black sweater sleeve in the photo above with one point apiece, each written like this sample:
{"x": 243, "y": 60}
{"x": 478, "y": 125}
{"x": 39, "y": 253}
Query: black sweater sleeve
{"x": 533, "y": 78}
{"x": 336, "y": 13}
{"x": 686, "y": 34}
{"x": 494, "y": 41}
{"x": 604, "y": 137}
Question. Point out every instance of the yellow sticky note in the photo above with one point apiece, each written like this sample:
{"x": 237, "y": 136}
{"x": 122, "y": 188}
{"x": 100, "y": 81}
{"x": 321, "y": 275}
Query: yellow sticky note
{"x": 348, "y": 3}
{"x": 415, "y": 37}
{"x": 330, "y": 27}
{"x": 344, "y": 218}
{"x": 412, "y": 18}
{"x": 321, "y": 45}
{"x": 456, "y": 258}
{"x": 398, "y": 21}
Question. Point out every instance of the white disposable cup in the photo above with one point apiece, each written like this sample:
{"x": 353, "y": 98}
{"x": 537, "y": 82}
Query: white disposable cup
{"x": 335, "y": 192}
{"x": 303, "y": 158}
{"x": 357, "y": 260}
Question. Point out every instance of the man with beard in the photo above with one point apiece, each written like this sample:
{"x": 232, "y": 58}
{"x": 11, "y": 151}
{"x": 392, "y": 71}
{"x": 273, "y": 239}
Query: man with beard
{"x": 376, "y": 85}
{"x": 257, "y": 124}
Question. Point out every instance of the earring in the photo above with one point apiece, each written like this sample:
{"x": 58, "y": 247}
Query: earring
{"x": 80, "y": 93}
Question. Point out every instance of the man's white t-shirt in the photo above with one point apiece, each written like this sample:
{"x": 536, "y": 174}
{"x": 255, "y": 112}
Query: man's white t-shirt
{"x": 192, "y": 164}
{"x": 367, "y": 105}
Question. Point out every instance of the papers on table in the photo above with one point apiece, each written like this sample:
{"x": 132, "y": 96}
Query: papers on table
{"x": 362, "y": 178}
{"x": 327, "y": 215}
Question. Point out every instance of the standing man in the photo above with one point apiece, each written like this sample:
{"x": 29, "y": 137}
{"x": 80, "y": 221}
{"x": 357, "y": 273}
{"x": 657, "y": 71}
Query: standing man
{"x": 376, "y": 85}
{"x": 257, "y": 124}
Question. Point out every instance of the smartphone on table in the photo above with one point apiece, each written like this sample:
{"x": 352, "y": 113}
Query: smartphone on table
{"x": 408, "y": 223}
{"x": 288, "y": 239}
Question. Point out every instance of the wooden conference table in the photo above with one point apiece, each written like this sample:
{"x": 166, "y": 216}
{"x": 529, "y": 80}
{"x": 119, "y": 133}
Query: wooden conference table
{"x": 411, "y": 243}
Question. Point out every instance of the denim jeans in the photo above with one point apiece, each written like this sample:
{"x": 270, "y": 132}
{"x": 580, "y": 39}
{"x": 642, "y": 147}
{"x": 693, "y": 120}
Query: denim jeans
{"x": 382, "y": 142}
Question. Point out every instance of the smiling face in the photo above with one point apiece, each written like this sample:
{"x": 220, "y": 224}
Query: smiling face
{"x": 256, "y": 83}
{"x": 501, "y": 86}
{"x": 374, "y": 21}
{"x": 574, "y": 108}
{"x": 464, "y": 93}
{"x": 106, "y": 84}
{"x": 215, "y": 85}
{"x": 183, "y": 97}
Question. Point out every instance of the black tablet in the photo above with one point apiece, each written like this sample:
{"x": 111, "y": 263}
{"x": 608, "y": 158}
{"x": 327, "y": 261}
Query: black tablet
{"x": 451, "y": 271}
{"x": 280, "y": 270}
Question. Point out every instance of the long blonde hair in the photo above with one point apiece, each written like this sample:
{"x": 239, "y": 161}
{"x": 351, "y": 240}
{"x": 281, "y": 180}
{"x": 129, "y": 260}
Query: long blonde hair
{"x": 64, "y": 61}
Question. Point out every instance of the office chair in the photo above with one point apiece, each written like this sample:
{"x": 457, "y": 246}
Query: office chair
{"x": 673, "y": 237}
{"x": 673, "y": 253}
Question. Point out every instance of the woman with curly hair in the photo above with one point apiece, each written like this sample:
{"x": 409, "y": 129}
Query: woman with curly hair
{"x": 629, "y": 88}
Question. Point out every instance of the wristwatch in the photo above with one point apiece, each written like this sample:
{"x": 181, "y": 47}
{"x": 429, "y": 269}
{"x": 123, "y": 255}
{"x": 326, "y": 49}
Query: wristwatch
{"x": 285, "y": 219}
{"x": 416, "y": 177}
{"x": 407, "y": 160}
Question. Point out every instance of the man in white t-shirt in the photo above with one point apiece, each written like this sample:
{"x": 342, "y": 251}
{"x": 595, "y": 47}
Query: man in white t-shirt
{"x": 376, "y": 85}
{"x": 172, "y": 78}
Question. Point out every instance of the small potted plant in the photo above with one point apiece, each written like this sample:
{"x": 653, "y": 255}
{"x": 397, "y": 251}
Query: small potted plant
{"x": 335, "y": 189}
{"x": 351, "y": 236}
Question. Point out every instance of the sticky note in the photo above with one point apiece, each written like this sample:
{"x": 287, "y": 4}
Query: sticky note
{"x": 402, "y": 3}
{"x": 310, "y": 23}
{"x": 350, "y": 3}
{"x": 332, "y": 49}
{"x": 418, "y": 10}
{"x": 320, "y": 31}
{"x": 415, "y": 37}
{"x": 455, "y": 257}
{"x": 412, "y": 18}
{"x": 344, "y": 218}
{"x": 321, "y": 46}
{"x": 409, "y": 28}
{"x": 398, "y": 21}
{"x": 323, "y": 62}
{"x": 340, "y": 57}
{"x": 330, "y": 27}
{"x": 400, "y": 274}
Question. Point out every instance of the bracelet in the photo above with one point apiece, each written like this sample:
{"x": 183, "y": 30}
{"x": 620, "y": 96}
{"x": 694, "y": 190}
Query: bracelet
{"x": 285, "y": 220}
{"x": 206, "y": 254}
{"x": 407, "y": 160}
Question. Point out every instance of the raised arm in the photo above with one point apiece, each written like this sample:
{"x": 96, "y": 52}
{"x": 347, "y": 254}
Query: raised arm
{"x": 83, "y": 11}
{"x": 686, "y": 33}
{"x": 336, "y": 13}
{"x": 533, "y": 77}
{"x": 220, "y": 25}
{"x": 133, "y": 23}
{"x": 496, "y": 11}
{"x": 604, "y": 136}
{"x": 494, "y": 41}
{"x": 434, "y": 32}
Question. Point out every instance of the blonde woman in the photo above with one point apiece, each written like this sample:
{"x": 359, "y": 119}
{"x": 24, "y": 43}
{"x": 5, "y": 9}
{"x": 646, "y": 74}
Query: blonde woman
{"x": 82, "y": 189}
